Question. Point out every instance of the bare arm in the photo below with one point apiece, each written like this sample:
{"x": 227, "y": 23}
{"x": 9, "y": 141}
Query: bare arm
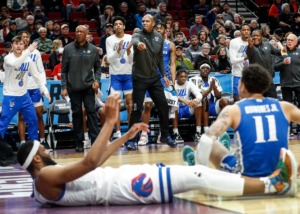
{"x": 291, "y": 112}
{"x": 173, "y": 63}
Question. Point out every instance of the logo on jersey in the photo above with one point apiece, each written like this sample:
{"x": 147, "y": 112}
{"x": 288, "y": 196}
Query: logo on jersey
{"x": 141, "y": 188}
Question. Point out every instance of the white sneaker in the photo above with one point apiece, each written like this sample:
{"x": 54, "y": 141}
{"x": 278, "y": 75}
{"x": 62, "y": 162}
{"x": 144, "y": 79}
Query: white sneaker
{"x": 116, "y": 135}
{"x": 143, "y": 140}
{"x": 158, "y": 139}
{"x": 87, "y": 144}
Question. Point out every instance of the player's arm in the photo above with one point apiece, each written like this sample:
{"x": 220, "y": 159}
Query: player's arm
{"x": 112, "y": 54}
{"x": 232, "y": 53}
{"x": 173, "y": 62}
{"x": 291, "y": 112}
{"x": 40, "y": 67}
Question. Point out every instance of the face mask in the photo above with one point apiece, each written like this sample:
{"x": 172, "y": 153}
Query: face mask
{"x": 227, "y": 29}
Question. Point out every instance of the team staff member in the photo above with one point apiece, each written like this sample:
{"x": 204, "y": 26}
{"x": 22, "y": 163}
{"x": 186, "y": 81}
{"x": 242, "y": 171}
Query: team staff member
{"x": 148, "y": 55}
{"x": 80, "y": 75}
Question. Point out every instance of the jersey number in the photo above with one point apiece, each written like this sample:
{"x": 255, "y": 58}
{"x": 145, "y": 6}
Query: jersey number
{"x": 259, "y": 126}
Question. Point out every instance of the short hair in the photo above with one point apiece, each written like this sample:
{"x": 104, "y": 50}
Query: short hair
{"x": 17, "y": 39}
{"x": 206, "y": 44}
{"x": 162, "y": 24}
{"x": 180, "y": 71}
{"x": 193, "y": 36}
{"x": 256, "y": 79}
{"x": 23, "y": 31}
{"x": 23, "y": 153}
{"x": 179, "y": 33}
{"x": 41, "y": 29}
{"x": 245, "y": 24}
{"x": 284, "y": 6}
{"x": 116, "y": 18}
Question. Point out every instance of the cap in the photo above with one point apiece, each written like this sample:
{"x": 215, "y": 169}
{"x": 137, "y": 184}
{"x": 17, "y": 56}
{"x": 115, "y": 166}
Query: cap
{"x": 109, "y": 6}
{"x": 12, "y": 22}
{"x": 29, "y": 17}
{"x": 204, "y": 65}
{"x": 64, "y": 25}
{"x": 278, "y": 31}
{"x": 109, "y": 25}
{"x": 37, "y": 8}
{"x": 179, "y": 46}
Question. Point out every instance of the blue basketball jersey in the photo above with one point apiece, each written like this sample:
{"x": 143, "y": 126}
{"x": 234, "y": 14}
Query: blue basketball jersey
{"x": 166, "y": 57}
{"x": 263, "y": 130}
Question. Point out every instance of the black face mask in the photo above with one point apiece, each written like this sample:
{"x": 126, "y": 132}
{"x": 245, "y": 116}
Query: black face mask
{"x": 141, "y": 13}
{"x": 227, "y": 29}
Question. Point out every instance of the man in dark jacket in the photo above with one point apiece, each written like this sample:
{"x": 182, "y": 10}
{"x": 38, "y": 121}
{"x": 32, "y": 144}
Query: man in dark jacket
{"x": 128, "y": 16}
{"x": 148, "y": 56}
{"x": 261, "y": 53}
{"x": 80, "y": 75}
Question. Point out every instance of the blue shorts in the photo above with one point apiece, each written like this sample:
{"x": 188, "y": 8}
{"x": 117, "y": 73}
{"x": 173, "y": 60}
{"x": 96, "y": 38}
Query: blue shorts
{"x": 214, "y": 108}
{"x": 121, "y": 83}
{"x": 35, "y": 95}
{"x": 235, "y": 86}
{"x": 185, "y": 112}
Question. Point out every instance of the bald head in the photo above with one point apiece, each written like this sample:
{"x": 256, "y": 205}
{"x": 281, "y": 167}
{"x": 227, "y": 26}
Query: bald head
{"x": 148, "y": 23}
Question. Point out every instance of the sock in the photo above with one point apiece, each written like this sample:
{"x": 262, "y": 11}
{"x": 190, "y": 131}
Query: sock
{"x": 86, "y": 135}
{"x": 205, "y": 129}
{"x": 41, "y": 140}
{"x": 198, "y": 129}
{"x": 22, "y": 141}
{"x": 269, "y": 188}
{"x": 175, "y": 130}
{"x": 118, "y": 131}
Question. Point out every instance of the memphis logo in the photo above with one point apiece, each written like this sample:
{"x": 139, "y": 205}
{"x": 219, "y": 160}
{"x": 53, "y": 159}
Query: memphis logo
{"x": 141, "y": 188}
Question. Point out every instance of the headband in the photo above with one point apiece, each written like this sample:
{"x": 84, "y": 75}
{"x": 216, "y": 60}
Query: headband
{"x": 32, "y": 153}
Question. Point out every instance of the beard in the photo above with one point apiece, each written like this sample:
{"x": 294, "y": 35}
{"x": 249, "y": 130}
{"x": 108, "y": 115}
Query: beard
{"x": 48, "y": 161}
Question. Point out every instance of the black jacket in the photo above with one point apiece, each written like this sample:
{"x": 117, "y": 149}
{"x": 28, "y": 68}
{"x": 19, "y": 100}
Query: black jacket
{"x": 80, "y": 66}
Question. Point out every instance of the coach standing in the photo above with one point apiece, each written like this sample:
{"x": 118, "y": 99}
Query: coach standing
{"x": 147, "y": 57}
{"x": 80, "y": 79}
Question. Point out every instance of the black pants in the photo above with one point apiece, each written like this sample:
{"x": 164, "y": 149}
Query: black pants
{"x": 86, "y": 97}
{"x": 287, "y": 94}
{"x": 156, "y": 91}
{"x": 271, "y": 92}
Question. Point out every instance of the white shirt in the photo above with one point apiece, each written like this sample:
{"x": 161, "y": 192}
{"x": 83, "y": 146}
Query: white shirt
{"x": 119, "y": 63}
{"x": 16, "y": 74}
{"x": 184, "y": 91}
{"x": 237, "y": 52}
{"x": 37, "y": 59}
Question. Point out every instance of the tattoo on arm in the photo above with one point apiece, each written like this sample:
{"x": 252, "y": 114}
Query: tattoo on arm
{"x": 220, "y": 125}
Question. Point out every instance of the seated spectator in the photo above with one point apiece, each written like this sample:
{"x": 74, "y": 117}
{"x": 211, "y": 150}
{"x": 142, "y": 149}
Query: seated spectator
{"x": 128, "y": 16}
{"x": 254, "y": 25}
{"x": 211, "y": 89}
{"x": 229, "y": 28}
{"x": 95, "y": 11}
{"x": 139, "y": 16}
{"x": 109, "y": 30}
{"x": 106, "y": 18}
{"x": 168, "y": 35}
{"x": 4, "y": 14}
{"x": 273, "y": 14}
{"x": 34, "y": 35}
{"x": 203, "y": 37}
{"x": 188, "y": 108}
{"x": 5, "y": 29}
{"x": 228, "y": 13}
{"x": 179, "y": 40}
{"x": 90, "y": 38}
{"x": 12, "y": 31}
{"x": 56, "y": 73}
{"x": 202, "y": 8}
{"x": 193, "y": 50}
{"x": 198, "y": 26}
{"x": 49, "y": 27}
{"x": 213, "y": 34}
{"x": 56, "y": 47}
{"x": 211, "y": 16}
{"x": 220, "y": 31}
{"x": 30, "y": 24}
{"x": 16, "y": 6}
{"x": 152, "y": 8}
{"x": 105, "y": 67}
{"x": 176, "y": 28}
{"x": 286, "y": 18}
{"x": 279, "y": 35}
{"x": 204, "y": 57}
{"x": 160, "y": 17}
{"x": 7, "y": 47}
{"x": 217, "y": 3}
{"x": 237, "y": 33}
{"x": 169, "y": 22}
{"x": 221, "y": 43}
{"x": 73, "y": 6}
{"x": 181, "y": 60}
{"x": 44, "y": 44}
{"x": 21, "y": 21}
{"x": 56, "y": 31}
{"x": 265, "y": 32}
{"x": 238, "y": 20}
{"x": 295, "y": 27}
{"x": 65, "y": 38}
{"x": 222, "y": 62}
{"x": 39, "y": 15}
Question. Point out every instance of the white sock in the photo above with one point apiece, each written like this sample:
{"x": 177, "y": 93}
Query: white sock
{"x": 175, "y": 130}
{"x": 269, "y": 188}
{"x": 22, "y": 141}
{"x": 41, "y": 140}
{"x": 198, "y": 129}
{"x": 205, "y": 129}
{"x": 118, "y": 131}
{"x": 144, "y": 133}
{"x": 86, "y": 135}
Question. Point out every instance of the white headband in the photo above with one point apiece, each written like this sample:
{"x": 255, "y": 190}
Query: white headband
{"x": 32, "y": 153}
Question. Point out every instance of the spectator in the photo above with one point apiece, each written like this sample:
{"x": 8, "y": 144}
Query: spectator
{"x": 236, "y": 34}
{"x": 265, "y": 30}
{"x": 109, "y": 30}
{"x": 4, "y": 14}
{"x": 56, "y": 46}
{"x": 211, "y": 16}
{"x": 90, "y": 38}
{"x": 107, "y": 17}
{"x": 16, "y": 6}
{"x": 285, "y": 19}
{"x": 254, "y": 25}
{"x": 228, "y": 13}
{"x": 128, "y": 16}
{"x": 193, "y": 50}
{"x": 34, "y": 35}
{"x": 188, "y": 108}
{"x": 95, "y": 11}
{"x": 169, "y": 22}
{"x": 139, "y": 16}
{"x": 44, "y": 44}
{"x": 220, "y": 19}
{"x": 21, "y": 21}
{"x": 273, "y": 14}
{"x": 202, "y": 8}
{"x": 181, "y": 60}
{"x": 213, "y": 34}
{"x": 295, "y": 27}
{"x": 176, "y": 28}
{"x": 162, "y": 14}
{"x": 5, "y": 29}
{"x": 39, "y": 15}
{"x": 198, "y": 26}
{"x": 279, "y": 35}
{"x": 56, "y": 73}
{"x": 204, "y": 57}
{"x": 65, "y": 38}
{"x": 152, "y": 8}
{"x": 30, "y": 24}
{"x": 179, "y": 40}
{"x": 222, "y": 62}
{"x": 217, "y": 3}
{"x": 238, "y": 20}
{"x": 52, "y": 6}
{"x": 221, "y": 43}
{"x": 80, "y": 80}
{"x": 293, "y": 6}
{"x": 203, "y": 37}
{"x": 56, "y": 31}
{"x": 49, "y": 27}
{"x": 73, "y": 6}
{"x": 229, "y": 28}
{"x": 12, "y": 31}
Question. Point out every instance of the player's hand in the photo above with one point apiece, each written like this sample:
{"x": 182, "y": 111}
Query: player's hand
{"x": 137, "y": 127}
{"x": 64, "y": 93}
{"x": 32, "y": 47}
{"x": 141, "y": 46}
{"x": 47, "y": 95}
{"x": 167, "y": 81}
{"x": 120, "y": 46}
{"x": 112, "y": 108}
{"x": 212, "y": 83}
{"x": 128, "y": 48}
{"x": 95, "y": 86}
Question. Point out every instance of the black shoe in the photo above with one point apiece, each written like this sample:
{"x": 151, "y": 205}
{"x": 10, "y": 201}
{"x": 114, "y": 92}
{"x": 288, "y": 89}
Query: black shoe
{"x": 79, "y": 149}
{"x": 131, "y": 145}
{"x": 168, "y": 140}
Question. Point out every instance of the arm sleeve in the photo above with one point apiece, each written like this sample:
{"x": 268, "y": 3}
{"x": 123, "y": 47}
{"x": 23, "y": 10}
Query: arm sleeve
{"x": 112, "y": 54}
{"x": 232, "y": 54}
